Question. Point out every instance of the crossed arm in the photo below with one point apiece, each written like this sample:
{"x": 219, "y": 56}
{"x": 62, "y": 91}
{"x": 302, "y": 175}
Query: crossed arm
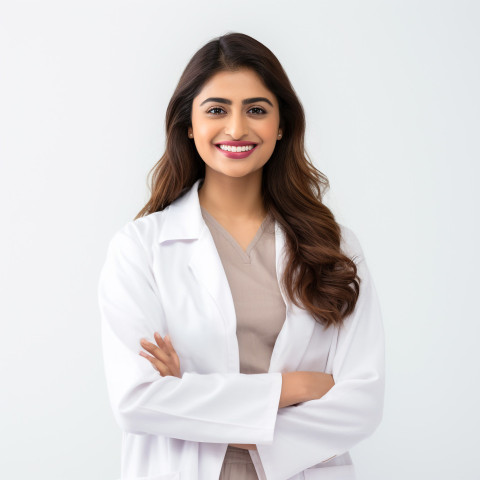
{"x": 297, "y": 387}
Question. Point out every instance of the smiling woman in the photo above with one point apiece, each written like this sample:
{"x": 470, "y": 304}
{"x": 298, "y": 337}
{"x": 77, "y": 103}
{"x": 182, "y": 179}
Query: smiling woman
{"x": 237, "y": 127}
{"x": 241, "y": 328}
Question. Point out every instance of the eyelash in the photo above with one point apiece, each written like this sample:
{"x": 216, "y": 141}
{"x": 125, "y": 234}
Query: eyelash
{"x": 220, "y": 108}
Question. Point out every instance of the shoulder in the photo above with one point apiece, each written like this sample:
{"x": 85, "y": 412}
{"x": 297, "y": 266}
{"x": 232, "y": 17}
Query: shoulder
{"x": 350, "y": 244}
{"x": 143, "y": 231}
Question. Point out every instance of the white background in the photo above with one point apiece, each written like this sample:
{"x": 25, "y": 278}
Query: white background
{"x": 391, "y": 93}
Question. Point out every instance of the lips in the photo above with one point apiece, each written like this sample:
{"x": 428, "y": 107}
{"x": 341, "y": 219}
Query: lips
{"x": 235, "y": 144}
{"x": 236, "y": 154}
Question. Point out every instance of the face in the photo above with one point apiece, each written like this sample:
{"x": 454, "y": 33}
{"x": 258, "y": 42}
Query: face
{"x": 234, "y": 112}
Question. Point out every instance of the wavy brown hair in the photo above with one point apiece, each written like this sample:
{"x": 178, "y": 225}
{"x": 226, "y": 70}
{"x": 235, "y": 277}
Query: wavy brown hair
{"x": 318, "y": 276}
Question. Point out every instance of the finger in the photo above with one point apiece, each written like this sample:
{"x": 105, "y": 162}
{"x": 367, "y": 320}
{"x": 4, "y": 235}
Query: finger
{"x": 166, "y": 347}
{"x": 157, "y": 352}
{"x": 161, "y": 343}
{"x": 173, "y": 353}
{"x": 170, "y": 363}
{"x": 159, "y": 366}
{"x": 169, "y": 345}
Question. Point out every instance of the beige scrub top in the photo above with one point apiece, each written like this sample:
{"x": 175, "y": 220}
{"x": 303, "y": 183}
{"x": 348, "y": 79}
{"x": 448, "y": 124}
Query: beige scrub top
{"x": 260, "y": 312}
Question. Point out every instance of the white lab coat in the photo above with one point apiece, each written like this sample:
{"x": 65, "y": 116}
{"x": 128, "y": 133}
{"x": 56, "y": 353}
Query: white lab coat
{"x": 163, "y": 273}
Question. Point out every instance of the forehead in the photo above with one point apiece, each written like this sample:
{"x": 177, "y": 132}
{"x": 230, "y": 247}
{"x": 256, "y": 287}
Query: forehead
{"x": 235, "y": 86}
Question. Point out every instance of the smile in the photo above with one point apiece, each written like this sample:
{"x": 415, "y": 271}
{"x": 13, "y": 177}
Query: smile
{"x": 236, "y": 152}
{"x": 230, "y": 148}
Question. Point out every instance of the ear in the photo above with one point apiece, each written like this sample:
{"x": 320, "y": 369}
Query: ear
{"x": 190, "y": 132}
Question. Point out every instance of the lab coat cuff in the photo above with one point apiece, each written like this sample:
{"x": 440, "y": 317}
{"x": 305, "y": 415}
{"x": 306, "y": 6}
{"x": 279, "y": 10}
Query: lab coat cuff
{"x": 275, "y": 394}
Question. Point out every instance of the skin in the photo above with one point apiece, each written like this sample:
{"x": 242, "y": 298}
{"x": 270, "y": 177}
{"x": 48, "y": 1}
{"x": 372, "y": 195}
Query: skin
{"x": 231, "y": 192}
{"x": 163, "y": 356}
{"x": 165, "y": 360}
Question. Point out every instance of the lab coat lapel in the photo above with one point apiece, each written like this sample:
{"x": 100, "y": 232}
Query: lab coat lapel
{"x": 293, "y": 339}
{"x": 207, "y": 267}
{"x": 185, "y": 221}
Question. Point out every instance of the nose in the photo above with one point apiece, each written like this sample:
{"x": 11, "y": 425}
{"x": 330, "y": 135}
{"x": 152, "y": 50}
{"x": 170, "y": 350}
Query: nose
{"x": 236, "y": 125}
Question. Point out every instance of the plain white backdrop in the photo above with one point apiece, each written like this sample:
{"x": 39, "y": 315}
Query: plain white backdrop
{"x": 391, "y": 94}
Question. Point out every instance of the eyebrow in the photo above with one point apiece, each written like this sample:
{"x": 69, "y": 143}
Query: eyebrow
{"x": 244, "y": 102}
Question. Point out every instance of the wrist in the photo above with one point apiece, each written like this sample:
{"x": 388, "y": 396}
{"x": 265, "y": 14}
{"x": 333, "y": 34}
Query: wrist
{"x": 318, "y": 384}
{"x": 295, "y": 388}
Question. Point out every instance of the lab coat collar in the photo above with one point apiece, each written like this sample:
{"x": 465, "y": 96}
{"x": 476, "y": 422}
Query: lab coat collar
{"x": 184, "y": 220}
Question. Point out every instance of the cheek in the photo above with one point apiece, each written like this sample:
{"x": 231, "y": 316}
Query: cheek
{"x": 202, "y": 129}
{"x": 204, "y": 134}
{"x": 269, "y": 131}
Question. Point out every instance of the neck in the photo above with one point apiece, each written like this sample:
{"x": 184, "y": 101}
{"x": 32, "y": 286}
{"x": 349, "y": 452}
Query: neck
{"x": 233, "y": 198}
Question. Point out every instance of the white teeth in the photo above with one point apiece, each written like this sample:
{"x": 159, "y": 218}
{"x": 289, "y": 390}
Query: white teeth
{"x": 228, "y": 148}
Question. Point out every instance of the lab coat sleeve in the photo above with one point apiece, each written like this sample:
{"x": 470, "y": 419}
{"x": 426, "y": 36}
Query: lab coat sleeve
{"x": 317, "y": 430}
{"x": 216, "y": 407}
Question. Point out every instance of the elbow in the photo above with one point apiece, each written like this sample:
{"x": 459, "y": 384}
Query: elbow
{"x": 131, "y": 422}
{"x": 146, "y": 407}
{"x": 139, "y": 420}
{"x": 366, "y": 400}
{"x": 122, "y": 421}
{"x": 128, "y": 410}
{"x": 127, "y": 418}
{"x": 374, "y": 405}
{"x": 374, "y": 420}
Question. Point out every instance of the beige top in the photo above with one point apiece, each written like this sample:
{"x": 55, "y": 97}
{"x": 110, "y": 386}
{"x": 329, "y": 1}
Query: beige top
{"x": 259, "y": 306}
{"x": 260, "y": 312}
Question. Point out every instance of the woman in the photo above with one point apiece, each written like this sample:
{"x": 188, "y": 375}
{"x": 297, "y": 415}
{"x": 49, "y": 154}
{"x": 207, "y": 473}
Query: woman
{"x": 241, "y": 329}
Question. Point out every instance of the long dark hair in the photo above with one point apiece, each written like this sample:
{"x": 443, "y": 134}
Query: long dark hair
{"x": 318, "y": 276}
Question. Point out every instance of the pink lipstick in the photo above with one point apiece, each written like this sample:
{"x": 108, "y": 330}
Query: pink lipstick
{"x": 243, "y": 154}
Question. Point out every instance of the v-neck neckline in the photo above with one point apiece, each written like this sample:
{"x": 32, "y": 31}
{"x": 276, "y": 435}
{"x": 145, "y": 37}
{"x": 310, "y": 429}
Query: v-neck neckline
{"x": 245, "y": 255}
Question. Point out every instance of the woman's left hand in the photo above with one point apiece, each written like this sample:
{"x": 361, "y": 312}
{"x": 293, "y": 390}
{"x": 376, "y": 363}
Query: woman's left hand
{"x": 245, "y": 446}
{"x": 165, "y": 360}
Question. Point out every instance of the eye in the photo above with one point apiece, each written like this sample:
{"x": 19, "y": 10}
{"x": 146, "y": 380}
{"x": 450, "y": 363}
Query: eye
{"x": 215, "y": 108}
{"x": 259, "y": 110}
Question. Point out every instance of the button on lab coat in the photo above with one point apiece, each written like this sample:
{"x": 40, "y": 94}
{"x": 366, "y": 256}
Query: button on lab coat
{"x": 163, "y": 273}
